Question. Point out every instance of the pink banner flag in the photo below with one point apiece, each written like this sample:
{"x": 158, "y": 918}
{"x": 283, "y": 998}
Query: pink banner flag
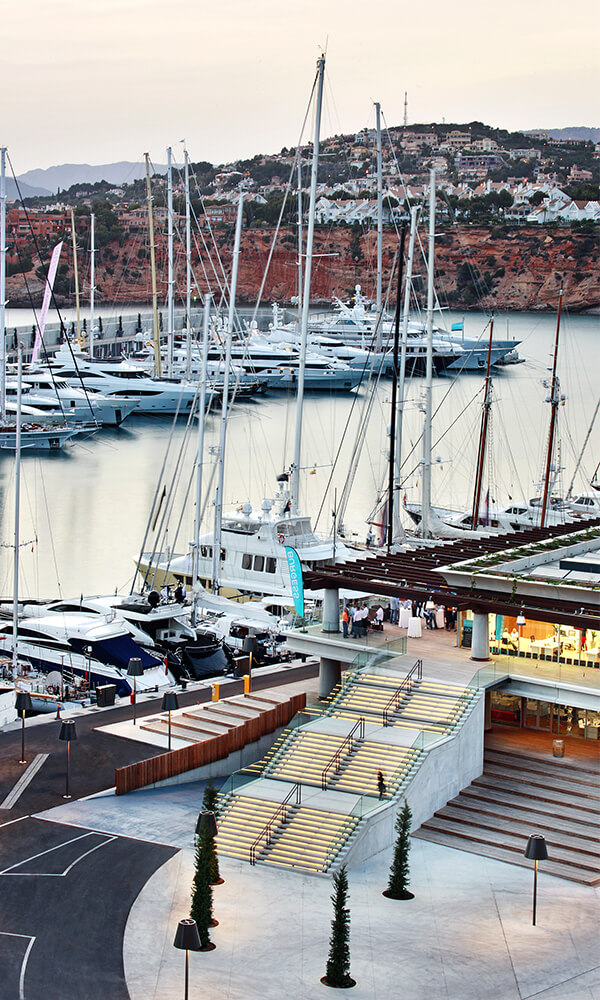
{"x": 46, "y": 303}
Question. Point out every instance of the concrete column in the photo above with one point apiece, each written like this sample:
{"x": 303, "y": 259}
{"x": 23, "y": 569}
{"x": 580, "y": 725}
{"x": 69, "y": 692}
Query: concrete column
{"x": 329, "y": 675}
{"x": 331, "y": 610}
{"x": 480, "y": 645}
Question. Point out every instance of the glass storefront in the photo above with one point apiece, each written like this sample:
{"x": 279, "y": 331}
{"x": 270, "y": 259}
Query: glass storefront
{"x": 527, "y": 713}
{"x": 535, "y": 640}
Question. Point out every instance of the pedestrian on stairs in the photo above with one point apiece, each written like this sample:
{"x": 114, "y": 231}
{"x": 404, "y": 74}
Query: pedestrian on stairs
{"x": 381, "y": 784}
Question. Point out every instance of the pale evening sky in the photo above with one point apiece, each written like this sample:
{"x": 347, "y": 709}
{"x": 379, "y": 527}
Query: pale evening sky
{"x": 101, "y": 80}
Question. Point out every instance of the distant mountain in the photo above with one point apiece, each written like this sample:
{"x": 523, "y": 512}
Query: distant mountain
{"x": 25, "y": 190}
{"x": 64, "y": 176}
{"x": 574, "y": 132}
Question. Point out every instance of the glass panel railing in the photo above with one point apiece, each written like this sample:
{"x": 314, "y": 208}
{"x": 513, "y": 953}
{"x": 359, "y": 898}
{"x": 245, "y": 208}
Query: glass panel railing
{"x": 236, "y": 782}
{"x": 561, "y": 675}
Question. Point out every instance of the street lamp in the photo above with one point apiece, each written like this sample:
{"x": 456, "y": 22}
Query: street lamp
{"x": 536, "y": 850}
{"x": 169, "y": 704}
{"x": 22, "y": 705}
{"x": 521, "y": 620}
{"x": 187, "y": 939}
{"x": 67, "y": 735}
{"x": 249, "y": 646}
{"x": 135, "y": 670}
{"x": 207, "y": 817}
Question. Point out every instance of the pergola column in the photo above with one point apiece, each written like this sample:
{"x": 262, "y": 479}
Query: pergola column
{"x": 330, "y": 672}
{"x": 480, "y": 643}
{"x": 331, "y": 610}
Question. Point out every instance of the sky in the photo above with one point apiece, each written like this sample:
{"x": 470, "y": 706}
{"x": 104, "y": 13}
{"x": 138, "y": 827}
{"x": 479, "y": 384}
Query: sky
{"x": 106, "y": 80}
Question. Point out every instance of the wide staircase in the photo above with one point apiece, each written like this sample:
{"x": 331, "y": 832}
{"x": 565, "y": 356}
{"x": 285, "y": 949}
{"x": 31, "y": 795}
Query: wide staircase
{"x": 369, "y": 724}
{"x": 518, "y": 795}
{"x": 298, "y": 836}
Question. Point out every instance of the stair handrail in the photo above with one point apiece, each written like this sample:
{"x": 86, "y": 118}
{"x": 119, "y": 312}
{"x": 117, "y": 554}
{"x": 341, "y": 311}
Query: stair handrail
{"x": 267, "y": 829}
{"x": 399, "y": 693}
{"x": 336, "y": 759}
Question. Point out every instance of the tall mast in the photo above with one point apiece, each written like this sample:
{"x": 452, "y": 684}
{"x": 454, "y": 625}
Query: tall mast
{"x": 155, "y": 329}
{"x": 379, "y": 223}
{"x": 170, "y": 313}
{"x": 554, "y": 403}
{"x": 92, "y": 282}
{"x": 426, "y": 501}
{"x": 299, "y": 161}
{"x": 199, "y": 457}
{"x": 392, "y": 491}
{"x": 188, "y": 269}
{"x": 216, "y": 564}
{"x": 485, "y": 419}
{"x": 397, "y": 523}
{"x": 295, "y": 476}
{"x": 2, "y": 283}
{"x": 15, "y": 651}
{"x": 76, "y": 273}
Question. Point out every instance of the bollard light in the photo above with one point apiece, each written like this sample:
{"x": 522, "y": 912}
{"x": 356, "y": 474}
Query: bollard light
{"x": 169, "y": 704}
{"x": 67, "y": 734}
{"x": 207, "y": 819}
{"x": 135, "y": 670}
{"x": 22, "y": 705}
{"x": 536, "y": 850}
{"x": 187, "y": 939}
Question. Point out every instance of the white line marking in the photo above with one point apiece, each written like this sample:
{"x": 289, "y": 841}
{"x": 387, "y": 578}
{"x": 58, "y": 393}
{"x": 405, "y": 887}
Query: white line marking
{"x": 24, "y": 780}
{"x": 32, "y": 941}
{"x": 63, "y": 874}
{"x": 11, "y": 821}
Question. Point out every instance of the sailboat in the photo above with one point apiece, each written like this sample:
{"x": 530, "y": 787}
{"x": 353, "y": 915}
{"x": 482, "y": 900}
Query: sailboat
{"x": 245, "y": 554}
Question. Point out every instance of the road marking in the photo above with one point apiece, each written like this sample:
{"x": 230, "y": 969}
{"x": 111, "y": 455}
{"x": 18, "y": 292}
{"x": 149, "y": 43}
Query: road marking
{"x": 57, "y": 847}
{"x": 24, "y": 780}
{"x": 9, "y": 822}
{"x": 25, "y": 959}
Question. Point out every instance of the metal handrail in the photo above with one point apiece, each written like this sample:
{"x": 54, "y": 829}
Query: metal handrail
{"x": 268, "y": 827}
{"x": 336, "y": 759}
{"x": 398, "y": 694}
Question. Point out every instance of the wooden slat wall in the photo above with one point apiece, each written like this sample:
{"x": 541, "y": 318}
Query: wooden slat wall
{"x": 167, "y": 765}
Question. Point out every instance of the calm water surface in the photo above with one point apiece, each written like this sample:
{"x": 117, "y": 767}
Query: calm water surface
{"x": 84, "y": 512}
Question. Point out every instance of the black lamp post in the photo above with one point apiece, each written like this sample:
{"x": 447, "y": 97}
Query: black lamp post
{"x": 135, "y": 670}
{"x": 207, "y": 817}
{"x": 169, "y": 704}
{"x": 22, "y": 705}
{"x": 250, "y": 649}
{"x": 187, "y": 939}
{"x": 67, "y": 735}
{"x": 536, "y": 850}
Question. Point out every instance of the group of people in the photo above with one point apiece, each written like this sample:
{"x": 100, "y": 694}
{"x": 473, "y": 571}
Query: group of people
{"x": 356, "y": 619}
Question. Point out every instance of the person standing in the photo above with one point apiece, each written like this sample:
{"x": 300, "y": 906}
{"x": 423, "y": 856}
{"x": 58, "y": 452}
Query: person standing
{"x": 345, "y": 622}
{"x": 379, "y": 618}
{"x": 381, "y": 786}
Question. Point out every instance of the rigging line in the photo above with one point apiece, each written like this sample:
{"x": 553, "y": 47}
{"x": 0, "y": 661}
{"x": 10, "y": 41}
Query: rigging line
{"x": 584, "y": 446}
{"x": 441, "y": 437}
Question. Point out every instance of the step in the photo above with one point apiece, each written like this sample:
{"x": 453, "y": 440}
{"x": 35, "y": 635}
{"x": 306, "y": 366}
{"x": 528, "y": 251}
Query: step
{"x": 522, "y": 788}
{"x": 550, "y": 765}
{"x": 542, "y": 812}
{"x": 561, "y": 781}
{"x": 501, "y": 854}
{"x": 591, "y": 765}
{"x": 558, "y": 836}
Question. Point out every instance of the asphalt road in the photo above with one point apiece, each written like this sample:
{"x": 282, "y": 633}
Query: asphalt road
{"x": 65, "y": 896}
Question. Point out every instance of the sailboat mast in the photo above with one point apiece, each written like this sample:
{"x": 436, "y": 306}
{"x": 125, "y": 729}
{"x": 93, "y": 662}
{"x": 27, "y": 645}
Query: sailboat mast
{"x": 15, "y": 650}
{"x": 392, "y": 491}
{"x": 299, "y": 158}
{"x": 76, "y": 275}
{"x": 554, "y": 401}
{"x": 188, "y": 269}
{"x": 92, "y": 281}
{"x": 155, "y": 329}
{"x": 426, "y": 501}
{"x": 199, "y": 457}
{"x": 295, "y": 472}
{"x": 216, "y": 560}
{"x": 379, "y": 224}
{"x": 485, "y": 419}
{"x": 2, "y": 283}
{"x": 397, "y": 523}
{"x": 170, "y": 312}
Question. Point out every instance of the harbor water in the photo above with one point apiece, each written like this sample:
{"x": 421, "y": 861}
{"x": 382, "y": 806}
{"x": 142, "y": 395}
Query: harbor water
{"x": 84, "y": 512}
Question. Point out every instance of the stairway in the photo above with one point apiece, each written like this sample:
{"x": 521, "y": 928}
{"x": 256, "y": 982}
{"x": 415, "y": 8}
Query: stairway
{"x": 308, "y": 840}
{"x": 518, "y": 795}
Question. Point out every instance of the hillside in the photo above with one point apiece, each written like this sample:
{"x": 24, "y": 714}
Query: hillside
{"x": 504, "y": 268}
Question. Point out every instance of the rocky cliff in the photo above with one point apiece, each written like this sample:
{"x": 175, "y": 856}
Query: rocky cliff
{"x": 477, "y": 267}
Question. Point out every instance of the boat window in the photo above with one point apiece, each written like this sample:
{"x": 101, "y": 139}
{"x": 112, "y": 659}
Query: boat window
{"x": 259, "y": 563}
{"x": 246, "y": 561}
{"x": 206, "y": 551}
{"x": 271, "y": 564}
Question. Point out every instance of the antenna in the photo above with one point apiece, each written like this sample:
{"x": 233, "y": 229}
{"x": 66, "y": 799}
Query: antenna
{"x": 405, "y": 108}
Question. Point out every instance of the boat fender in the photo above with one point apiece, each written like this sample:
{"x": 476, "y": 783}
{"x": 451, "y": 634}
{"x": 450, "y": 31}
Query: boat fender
{"x": 281, "y": 539}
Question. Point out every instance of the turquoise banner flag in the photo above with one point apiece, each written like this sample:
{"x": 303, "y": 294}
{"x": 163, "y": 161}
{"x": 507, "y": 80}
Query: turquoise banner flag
{"x": 457, "y": 326}
{"x": 296, "y": 579}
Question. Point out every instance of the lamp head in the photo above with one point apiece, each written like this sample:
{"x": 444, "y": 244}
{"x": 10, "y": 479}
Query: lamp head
{"x": 67, "y": 731}
{"x": 134, "y": 667}
{"x": 169, "y": 701}
{"x": 536, "y": 849}
{"x": 23, "y": 701}
{"x": 207, "y": 820}
{"x": 521, "y": 620}
{"x": 186, "y": 936}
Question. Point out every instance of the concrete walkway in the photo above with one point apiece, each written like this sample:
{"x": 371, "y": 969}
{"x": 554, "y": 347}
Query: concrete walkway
{"x": 467, "y": 934}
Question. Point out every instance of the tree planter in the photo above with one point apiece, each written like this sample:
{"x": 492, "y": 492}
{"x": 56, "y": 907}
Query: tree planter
{"x": 392, "y": 895}
{"x": 342, "y": 986}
